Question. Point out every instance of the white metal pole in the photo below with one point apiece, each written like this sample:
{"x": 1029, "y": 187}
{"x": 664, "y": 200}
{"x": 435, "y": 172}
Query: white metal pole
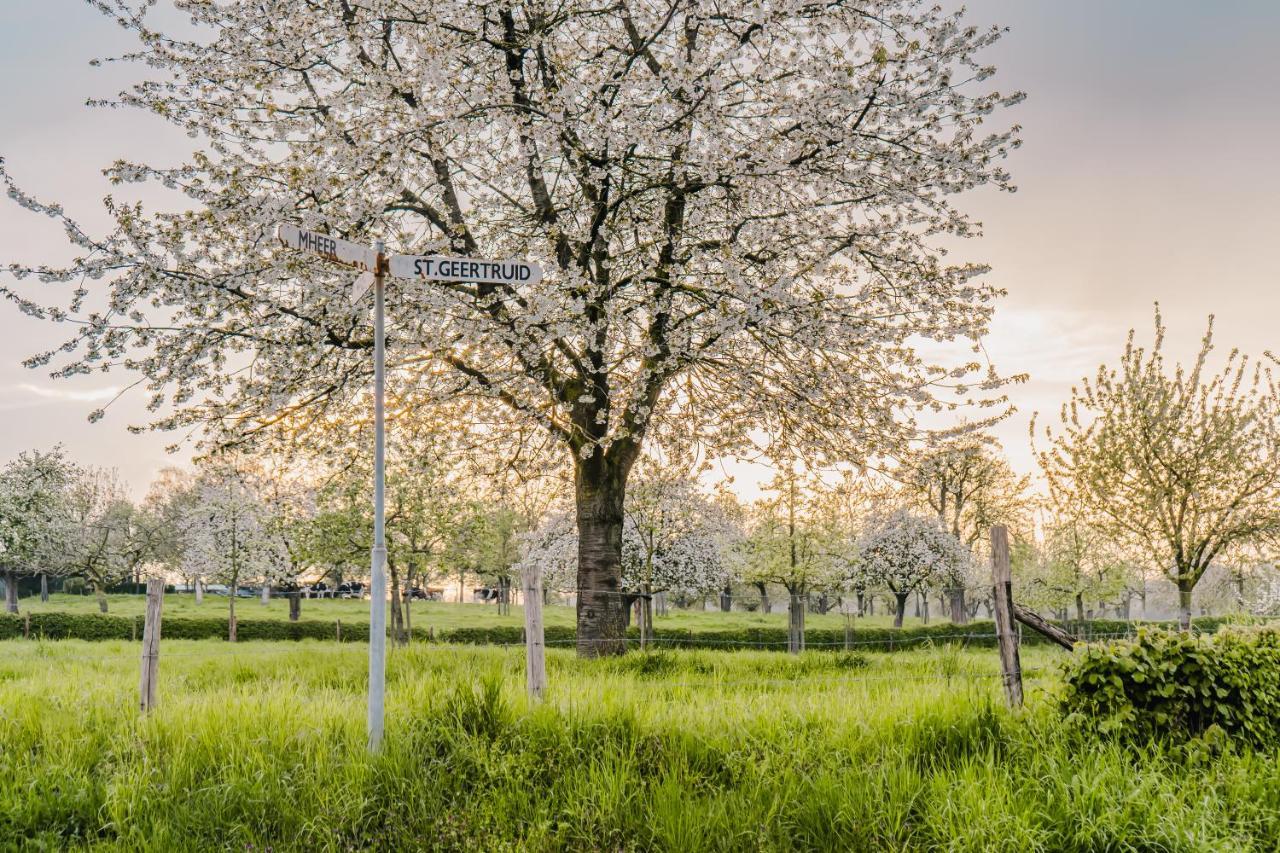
{"x": 378, "y": 578}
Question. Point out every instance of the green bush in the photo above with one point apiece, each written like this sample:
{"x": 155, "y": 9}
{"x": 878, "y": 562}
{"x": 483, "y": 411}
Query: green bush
{"x": 1165, "y": 684}
{"x": 83, "y": 626}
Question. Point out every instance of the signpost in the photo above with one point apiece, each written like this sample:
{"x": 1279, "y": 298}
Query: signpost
{"x": 441, "y": 268}
{"x": 375, "y": 264}
{"x": 332, "y": 248}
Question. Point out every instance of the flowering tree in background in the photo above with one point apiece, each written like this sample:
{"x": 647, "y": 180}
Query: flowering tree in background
{"x": 97, "y": 543}
{"x": 675, "y": 539}
{"x": 904, "y": 552}
{"x": 34, "y": 516}
{"x": 230, "y": 538}
{"x": 1074, "y": 566}
{"x": 966, "y": 481}
{"x": 796, "y": 541}
{"x": 1185, "y": 463}
{"x": 167, "y": 503}
{"x": 746, "y": 202}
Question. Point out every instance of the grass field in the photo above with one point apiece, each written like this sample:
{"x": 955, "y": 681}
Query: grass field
{"x": 262, "y": 747}
{"x": 440, "y": 615}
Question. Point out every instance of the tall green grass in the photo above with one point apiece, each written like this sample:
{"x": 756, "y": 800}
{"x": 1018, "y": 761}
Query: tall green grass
{"x": 262, "y": 747}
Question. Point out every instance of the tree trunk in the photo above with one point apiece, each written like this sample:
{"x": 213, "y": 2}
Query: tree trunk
{"x": 726, "y": 598}
{"x": 44, "y": 587}
{"x": 408, "y": 613}
{"x": 504, "y": 595}
{"x": 959, "y": 614}
{"x": 295, "y": 605}
{"x": 1184, "y": 605}
{"x": 924, "y": 606}
{"x": 101, "y": 595}
{"x": 199, "y": 591}
{"x": 901, "y": 611}
{"x": 764, "y": 596}
{"x": 599, "y": 490}
{"x": 266, "y": 593}
{"x": 397, "y": 614}
{"x": 795, "y": 623}
{"x": 231, "y": 617}
{"x": 11, "y": 590}
{"x": 1079, "y": 606}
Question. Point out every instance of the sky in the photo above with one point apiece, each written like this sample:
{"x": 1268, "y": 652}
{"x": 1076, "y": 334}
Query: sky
{"x": 1148, "y": 173}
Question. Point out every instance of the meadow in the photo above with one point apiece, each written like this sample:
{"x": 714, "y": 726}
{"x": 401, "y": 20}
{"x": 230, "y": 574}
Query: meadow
{"x": 261, "y": 746}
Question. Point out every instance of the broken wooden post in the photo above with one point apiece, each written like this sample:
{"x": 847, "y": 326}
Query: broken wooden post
{"x": 151, "y": 645}
{"x": 1033, "y": 621}
{"x": 535, "y": 652}
{"x": 1002, "y": 595}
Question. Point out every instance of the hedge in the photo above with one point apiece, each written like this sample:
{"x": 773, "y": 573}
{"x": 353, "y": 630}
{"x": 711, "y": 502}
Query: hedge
{"x": 1169, "y": 685}
{"x": 95, "y": 626}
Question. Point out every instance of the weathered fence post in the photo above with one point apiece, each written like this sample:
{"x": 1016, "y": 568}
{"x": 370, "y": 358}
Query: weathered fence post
{"x": 337, "y": 629}
{"x": 535, "y": 652}
{"x": 26, "y": 626}
{"x": 1002, "y": 596}
{"x": 151, "y": 645}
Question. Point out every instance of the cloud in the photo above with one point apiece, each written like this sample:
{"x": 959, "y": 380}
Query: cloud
{"x": 27, "y": 395}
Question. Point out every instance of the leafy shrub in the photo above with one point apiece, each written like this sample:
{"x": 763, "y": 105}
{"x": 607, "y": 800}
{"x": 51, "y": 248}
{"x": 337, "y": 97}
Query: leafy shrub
{"x": 57, "y": 625}
{"x": 1165, "y": 684}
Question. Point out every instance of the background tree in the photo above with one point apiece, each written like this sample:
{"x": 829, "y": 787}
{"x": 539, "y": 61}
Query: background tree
{"x": 1185, "y": 463}
{"x": 966, "y": 481}
{"x": 904, "y": 552}
{"x": 1075, "y": 566}
{"x": 167, "y": 503}
{"x": 230, "y": 537}
{"x": 747, "y": 202}
{"x": 34, "y": 516}
{"x": 794, "y": 543}
{"x": 97, "y": 544}
{"x": 675, "y": 540}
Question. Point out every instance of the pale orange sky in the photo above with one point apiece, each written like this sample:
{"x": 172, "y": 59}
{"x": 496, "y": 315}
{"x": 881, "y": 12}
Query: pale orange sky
{"x": 1148, "y": 173}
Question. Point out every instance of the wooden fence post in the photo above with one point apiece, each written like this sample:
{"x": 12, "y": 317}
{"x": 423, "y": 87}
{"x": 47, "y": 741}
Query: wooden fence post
{"x": 1002, "y": 597}
{"x": 26, "y": 626}
{"x": 535, "y": 652}
{"x": 151, "y": 645}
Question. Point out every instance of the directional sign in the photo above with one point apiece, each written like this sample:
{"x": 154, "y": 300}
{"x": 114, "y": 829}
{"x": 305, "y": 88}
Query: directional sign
{"x": 332, "y": 248}
{"x": 441, "y": 268}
